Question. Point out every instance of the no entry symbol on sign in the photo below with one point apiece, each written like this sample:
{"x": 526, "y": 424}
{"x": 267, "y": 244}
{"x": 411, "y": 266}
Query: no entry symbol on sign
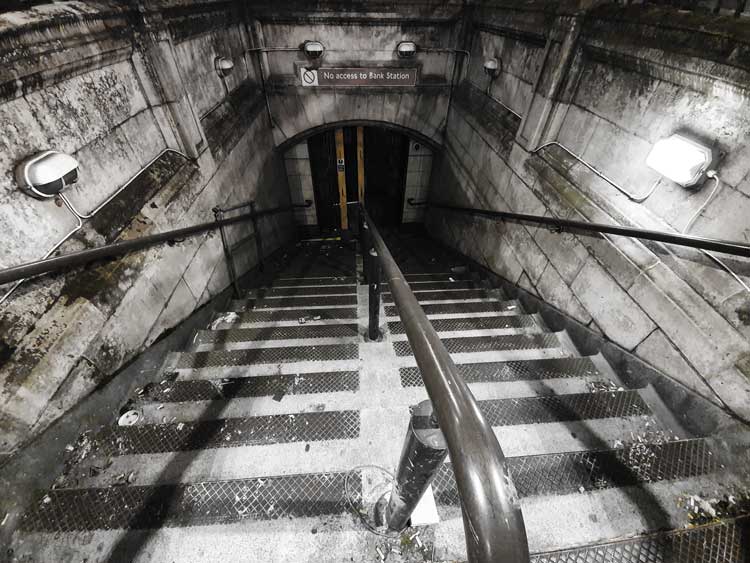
{"x": 309, "y": 77}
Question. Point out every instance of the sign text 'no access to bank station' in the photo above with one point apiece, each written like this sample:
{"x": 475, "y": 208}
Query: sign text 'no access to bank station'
{"x": 359, "y": 77}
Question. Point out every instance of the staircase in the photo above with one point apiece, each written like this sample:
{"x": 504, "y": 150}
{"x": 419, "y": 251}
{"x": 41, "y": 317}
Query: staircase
{"x": 271, "y": 438}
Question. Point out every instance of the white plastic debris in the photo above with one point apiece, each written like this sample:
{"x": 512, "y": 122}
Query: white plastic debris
{"x": 226, "y": 318}
{"x": 302, "y": 320}
{"x": 129, "y": 418}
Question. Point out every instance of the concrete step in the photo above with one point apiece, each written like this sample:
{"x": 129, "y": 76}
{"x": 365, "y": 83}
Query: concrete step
{"x": 630, "y": 490}
{"x": 479, "y": 344}
{"x": 280, "y": 283}
{"x": 451, "y": 295}
{"x": 302, "y": 302}
{"x": 300, "y": 291}
{"x": 476, "y": 326}
{"x": 462, "y": 308}
{"x": 242, "y": 319}
{"x": 263, "y": 337}
{"x": 336, "y": 538}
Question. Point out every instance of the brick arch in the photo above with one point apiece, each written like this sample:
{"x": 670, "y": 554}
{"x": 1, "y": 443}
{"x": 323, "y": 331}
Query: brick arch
{"x": 421, "y": 115}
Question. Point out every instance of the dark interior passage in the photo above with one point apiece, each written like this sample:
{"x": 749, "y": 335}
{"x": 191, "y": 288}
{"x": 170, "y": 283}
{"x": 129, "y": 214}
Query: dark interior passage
{"x": 385, "y": 162}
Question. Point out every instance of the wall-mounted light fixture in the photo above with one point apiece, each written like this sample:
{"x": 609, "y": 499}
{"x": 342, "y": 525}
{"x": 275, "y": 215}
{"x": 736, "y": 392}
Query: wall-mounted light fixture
{"x": 492, "y": 68}
{"x": 680, "y": 159}
{"x": 223, "y": 66}
{"x": 406, "y": 49}
{"x": 45, "y": 174}
{"x": 313, "y": 49}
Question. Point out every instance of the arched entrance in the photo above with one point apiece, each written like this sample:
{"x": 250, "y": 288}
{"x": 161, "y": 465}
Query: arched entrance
{"x": 376, "y": 163}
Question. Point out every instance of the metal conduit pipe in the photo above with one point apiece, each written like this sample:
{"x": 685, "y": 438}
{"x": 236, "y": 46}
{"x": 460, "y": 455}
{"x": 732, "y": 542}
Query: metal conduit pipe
{"x": 615, "y": 185}
{"x": 80, "y": 216}
{"x": 493, "y": 523}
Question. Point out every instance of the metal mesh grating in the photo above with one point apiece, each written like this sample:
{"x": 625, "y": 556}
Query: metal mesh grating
{"x": 277, "y": 333}
{"x": 564, "y": 473}
{"x": 445, "y": 295}
{"x": 220, "y": 358}
{"x": 425, "y": 285}
{"x": 212, "y": 502}
{"x": 313, "y": 290}
{"x": 228, "y": 433}
{"x": 528, "y": 370}
{"x": 298, "y": 282}
{"x": 488, "y": 343}
{"x": 278, "y": 316}
{"x": 299, "y": 302}
{"x": 475, "y": 323}
{"x": 725, "y": 542}
{"x": 462, "y": 308}
{"x": 261, "y": 386}
{"x": 559, "y": 408}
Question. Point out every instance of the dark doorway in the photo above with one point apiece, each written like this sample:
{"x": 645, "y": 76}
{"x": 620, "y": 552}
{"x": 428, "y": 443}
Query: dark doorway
{"x": 385, "y": 158}
{"x": 322, "y": 150}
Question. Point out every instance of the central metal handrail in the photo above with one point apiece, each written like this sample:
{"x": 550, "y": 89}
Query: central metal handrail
{"x": 493, "y": 522}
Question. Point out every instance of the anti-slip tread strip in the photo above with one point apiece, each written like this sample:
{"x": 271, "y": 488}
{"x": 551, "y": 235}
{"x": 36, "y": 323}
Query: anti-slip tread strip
{"x": 287, "y": 354}
{"x": 299, "y": 302}
{"x": 565, "y": 473}
{"x": 474, "y": 323}
{"x": 443, "y": 276}
{"x": 563, "y": 408}
{"x": 525, "y": 370}
{"x": 302, "y": 282}
{"x": 466, "y": 307}
{"x": 305, "y": 291}
{"x": 418, "y": 286}
{"x": 340, "y": 313}
{"x": 446, "y": 295}
{"x": 724, "y": 542}
{"x": 488, "y": 343}
{"x": 303, "y": 331}
{"x": 260, "y": 386}
{"x": 227, "y": 433}
{"x": 194, "y": 504}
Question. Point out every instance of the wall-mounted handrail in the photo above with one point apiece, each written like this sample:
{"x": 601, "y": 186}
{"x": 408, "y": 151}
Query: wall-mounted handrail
{"x": 493, "y": 522}
{"x": 122, "y": 247}
{"x": 717, "y": 245}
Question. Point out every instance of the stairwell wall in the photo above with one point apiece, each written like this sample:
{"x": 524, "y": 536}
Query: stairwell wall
{"x": 608, "y": 83}
{"x": 115, "y": 86}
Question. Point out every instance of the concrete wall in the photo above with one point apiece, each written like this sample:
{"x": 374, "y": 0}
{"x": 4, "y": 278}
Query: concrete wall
{"x": 115, "y": 87}
{"x": 608, "y": 84}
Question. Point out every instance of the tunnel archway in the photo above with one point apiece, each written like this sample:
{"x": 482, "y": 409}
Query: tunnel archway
{"x": 382, "y": 164}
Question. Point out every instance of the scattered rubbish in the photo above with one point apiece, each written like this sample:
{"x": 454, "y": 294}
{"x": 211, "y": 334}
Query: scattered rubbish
{"x": 226, "y": 318}
{"x": 69, "y": 448}
{"x": 314, "y": 531}
{"x": 307, "y": 447}
{"x": 619, "y": 444}
{"x": 451, "y": 279}
{"x": 161, "y": 406}
{"x": 180, "y": 426}
{"x": 140, "y": 391}
{"x": 702, "y": 510}
{"x": 458, "y": 269}
{"x": 511, "y": 307}
{"x": 317, "y": 318}
{"x": 129, "y": 418}
{"x": 581, "y": 489}
{"x": 302, "y": 320}
{"x": 603, "y": 386}
{"x": 47, "y": 499}
{"x": 5, "y": 519}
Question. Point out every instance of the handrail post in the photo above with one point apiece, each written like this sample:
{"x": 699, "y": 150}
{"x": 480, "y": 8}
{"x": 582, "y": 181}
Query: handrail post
{"x": 374, "y": 298}
{"x": 365, "y": 246}
{"x": 258, "y": 237}
{"x": 423, "y": 453}
{"x": 219, "y": 216}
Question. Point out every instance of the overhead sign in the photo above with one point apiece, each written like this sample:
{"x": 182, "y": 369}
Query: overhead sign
{"x": 358, "y": 77}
